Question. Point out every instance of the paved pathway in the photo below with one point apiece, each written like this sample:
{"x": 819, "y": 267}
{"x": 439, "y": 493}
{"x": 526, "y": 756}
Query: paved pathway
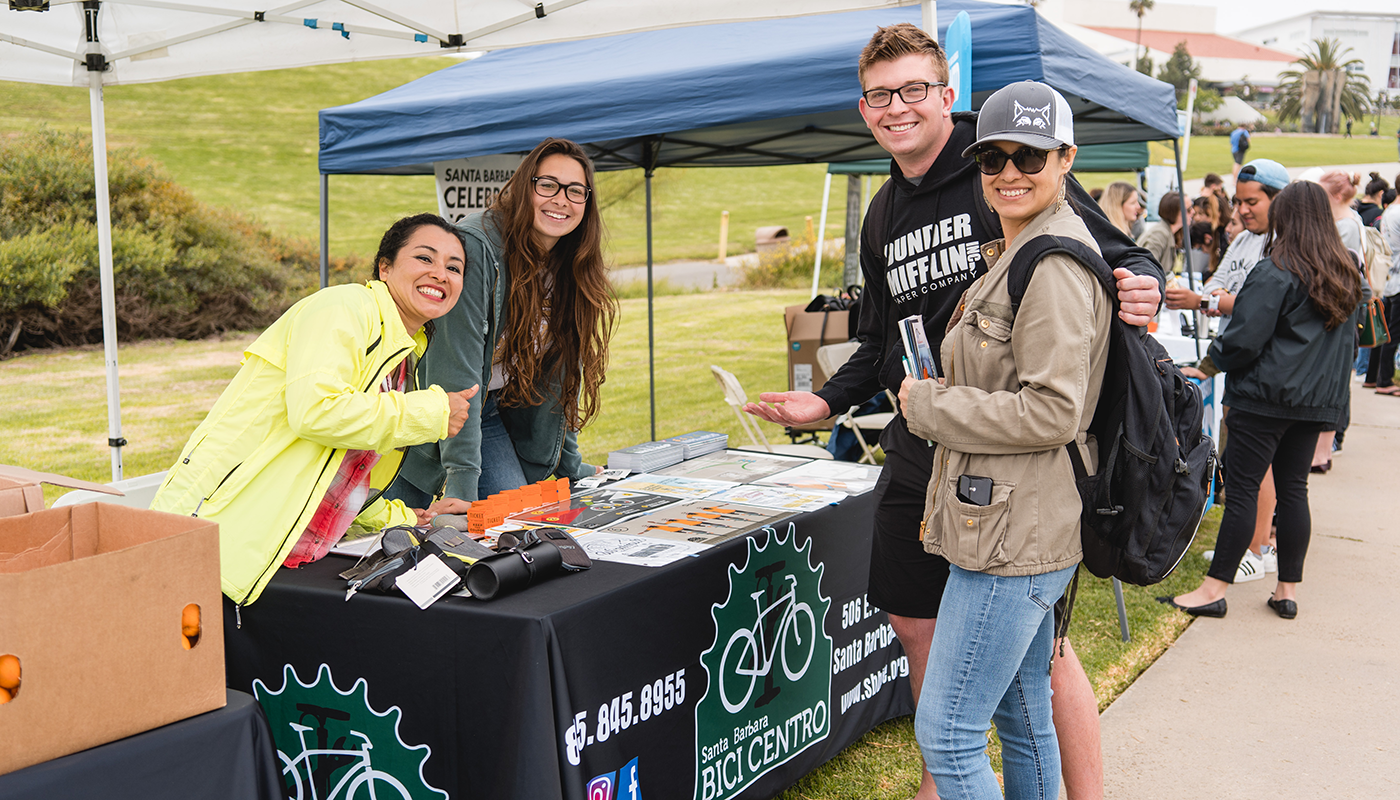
{"x": 1253, "y": 706}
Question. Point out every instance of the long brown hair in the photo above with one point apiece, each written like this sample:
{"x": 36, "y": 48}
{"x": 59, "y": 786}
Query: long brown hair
{"x": 1306, "y": 243}
{"x": 566, "y": 288}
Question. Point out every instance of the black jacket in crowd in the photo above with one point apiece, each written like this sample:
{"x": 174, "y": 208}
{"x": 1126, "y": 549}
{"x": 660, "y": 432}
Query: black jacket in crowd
{"x": 920, "y": 247}
{"x": 1278, "y": 358}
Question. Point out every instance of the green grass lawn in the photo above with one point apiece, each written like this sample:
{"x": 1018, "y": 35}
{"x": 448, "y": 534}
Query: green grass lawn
{"x": 249, "y": 141}
{"x": 56, "y": 422}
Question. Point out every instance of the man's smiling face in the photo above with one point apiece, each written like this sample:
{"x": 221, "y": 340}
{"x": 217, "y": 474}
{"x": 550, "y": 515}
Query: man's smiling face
{"x": 914, "y": 133}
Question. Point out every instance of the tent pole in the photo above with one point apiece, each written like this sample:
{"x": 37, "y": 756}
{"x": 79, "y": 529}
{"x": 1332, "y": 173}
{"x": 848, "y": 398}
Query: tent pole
{"x": 821, "y": 236}
{"x": 930, "y": 18}
{"x": 96, "y": 63}
{"x": 651, "y": 330}
{"x": 1186, "y": 240}
{"x": 325, "y": 230}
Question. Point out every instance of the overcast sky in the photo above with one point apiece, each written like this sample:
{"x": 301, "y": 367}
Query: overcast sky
{"x": 1236, "y": 15}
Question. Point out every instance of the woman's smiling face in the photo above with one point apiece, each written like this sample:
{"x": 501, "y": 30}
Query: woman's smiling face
{"x": 1017, "y": 197}
{"x": 556, "y": 217}
{"x": 425, "y": 277}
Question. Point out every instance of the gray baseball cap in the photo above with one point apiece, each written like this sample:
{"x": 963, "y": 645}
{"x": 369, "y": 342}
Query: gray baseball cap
{"x": 1026, "y": 112}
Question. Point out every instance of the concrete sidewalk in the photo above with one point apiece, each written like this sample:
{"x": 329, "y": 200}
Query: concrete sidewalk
{"x": 1254, "y": 706}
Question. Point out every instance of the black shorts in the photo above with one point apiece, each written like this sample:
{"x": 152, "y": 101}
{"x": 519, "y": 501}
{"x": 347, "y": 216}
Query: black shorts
{"x": 905, "y": 579}
{"x": 1239, "y": 157}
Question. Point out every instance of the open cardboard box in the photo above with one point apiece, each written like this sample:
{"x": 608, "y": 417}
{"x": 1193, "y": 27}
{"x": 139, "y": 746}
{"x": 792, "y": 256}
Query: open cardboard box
{"x": 20, "y": 492}
{"x": 91, "y": 598}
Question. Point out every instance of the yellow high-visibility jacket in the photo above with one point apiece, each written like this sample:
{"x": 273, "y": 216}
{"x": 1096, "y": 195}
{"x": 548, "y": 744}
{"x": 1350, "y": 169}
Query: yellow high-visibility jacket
{"x": 307, "y": 392}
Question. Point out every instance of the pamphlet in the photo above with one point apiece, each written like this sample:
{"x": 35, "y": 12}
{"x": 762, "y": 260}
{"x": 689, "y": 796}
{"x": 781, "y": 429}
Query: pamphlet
{"x": 919, "y": 362}
{"x": 827, "y": 476}
{"x": 596, "y": 509}
{"x": 777, "y": 497}
{"x": 673, "y": 485}
{"x": 641, "y": 551}
{"x": 700, "y": 521}
{"x": 737, "y": 466}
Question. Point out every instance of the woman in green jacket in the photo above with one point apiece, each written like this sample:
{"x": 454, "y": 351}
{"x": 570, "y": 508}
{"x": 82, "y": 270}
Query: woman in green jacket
{"x": 281, "y": 460}
{"x": 532, "y": 327}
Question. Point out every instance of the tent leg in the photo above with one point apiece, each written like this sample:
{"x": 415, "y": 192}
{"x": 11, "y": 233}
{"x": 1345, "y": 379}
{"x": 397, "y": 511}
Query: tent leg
{"x": 1186, "y": 238}
{"x": 325, "y": 230}
{"x": 104, "y": 248}
{"x": 821, "y": 236}
{"x": 851, "y": 274}
{"x": 651, "y": 330}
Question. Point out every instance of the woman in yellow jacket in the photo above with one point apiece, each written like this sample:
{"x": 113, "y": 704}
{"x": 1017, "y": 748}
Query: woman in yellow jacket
{"x": 280, "y": 462}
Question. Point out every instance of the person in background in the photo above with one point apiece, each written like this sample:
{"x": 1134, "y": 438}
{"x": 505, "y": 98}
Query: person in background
{"x": 1285, "y": 359}
{"x": 1233, "y": 228}
{"x": 1218, "y": 212}
{"x": 1369, "y": 206}
{"x": 1239, "y": 146}
{"x": 309, "y": 432}
{"x": 1096, "y": 193}
{"x": 1161, "y": 238}
{"x": 532, "y": 326}
{"x": 907, "y": 107}
{"x": 1204, "y": 252}
{"x": 1121, "y": 205}
{"x": 1382, "y": 370}
{"x": 1341, "y": 190}
{"x": 1015, "y": 396}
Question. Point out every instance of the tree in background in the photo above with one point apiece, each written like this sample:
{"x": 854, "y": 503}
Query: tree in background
{"x": 1178, "y": 70}
{"x": 1141, "y": 7}
{"x": 1323, "y": 89}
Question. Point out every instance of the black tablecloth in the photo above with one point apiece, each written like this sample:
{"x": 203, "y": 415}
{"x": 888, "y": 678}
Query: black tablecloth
{"x": 549, "y": 693}
{"x": 224, "y": 753}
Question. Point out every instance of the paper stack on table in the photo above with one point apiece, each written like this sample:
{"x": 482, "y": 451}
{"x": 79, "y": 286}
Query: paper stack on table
{"x": 698, "y": 443}
{"x": 647, "y": 457}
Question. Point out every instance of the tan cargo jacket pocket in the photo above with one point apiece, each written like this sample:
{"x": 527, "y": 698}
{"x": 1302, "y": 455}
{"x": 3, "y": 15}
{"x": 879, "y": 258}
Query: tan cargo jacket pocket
{"x": 973, "y": 537}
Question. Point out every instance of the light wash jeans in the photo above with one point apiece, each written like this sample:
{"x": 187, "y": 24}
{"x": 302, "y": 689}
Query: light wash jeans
{"x": 500, "y": 467}
{"x": 990, "y": 662}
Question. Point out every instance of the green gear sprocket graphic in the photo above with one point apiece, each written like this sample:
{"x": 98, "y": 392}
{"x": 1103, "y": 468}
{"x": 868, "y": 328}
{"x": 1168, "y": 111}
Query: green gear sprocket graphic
{"x": 767, "y": 697}
{"x": 333, "y": 745}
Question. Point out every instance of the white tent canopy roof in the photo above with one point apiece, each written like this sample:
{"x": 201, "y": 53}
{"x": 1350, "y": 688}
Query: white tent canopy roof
{"x": 153, "y": 40}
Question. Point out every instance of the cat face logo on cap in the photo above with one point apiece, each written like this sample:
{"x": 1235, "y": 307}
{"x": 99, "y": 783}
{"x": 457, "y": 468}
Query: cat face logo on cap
{"x": 1024, "y": 118}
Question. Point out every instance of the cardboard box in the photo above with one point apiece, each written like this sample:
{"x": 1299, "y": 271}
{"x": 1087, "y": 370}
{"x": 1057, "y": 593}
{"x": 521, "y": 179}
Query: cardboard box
{"x": 20, "y": 492}
{"x": 91, "y": 598}
{"x": 807, "y": 331}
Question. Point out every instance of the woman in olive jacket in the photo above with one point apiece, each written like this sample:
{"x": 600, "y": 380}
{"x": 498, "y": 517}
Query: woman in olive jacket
{"x": 1286, "y": 358}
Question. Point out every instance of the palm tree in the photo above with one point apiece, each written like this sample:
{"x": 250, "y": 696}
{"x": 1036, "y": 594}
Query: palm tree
{"x": 1323, "y": 88}
{"x": 1140, "y": 7}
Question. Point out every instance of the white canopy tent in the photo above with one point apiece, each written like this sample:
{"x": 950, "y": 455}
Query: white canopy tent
{"x": 97, "y": 43}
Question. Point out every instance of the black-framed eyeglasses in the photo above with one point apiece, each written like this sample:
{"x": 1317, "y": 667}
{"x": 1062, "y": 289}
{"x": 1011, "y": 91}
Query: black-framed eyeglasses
{"x": 910, "y": 93}
{"x": 549, "y": 187}
{"x": 1028, "y": 160}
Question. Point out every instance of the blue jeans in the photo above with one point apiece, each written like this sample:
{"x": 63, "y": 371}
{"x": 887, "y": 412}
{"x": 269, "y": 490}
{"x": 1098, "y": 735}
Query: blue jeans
{"x": 990, "y": 661}
{"x": 500, "y": 467}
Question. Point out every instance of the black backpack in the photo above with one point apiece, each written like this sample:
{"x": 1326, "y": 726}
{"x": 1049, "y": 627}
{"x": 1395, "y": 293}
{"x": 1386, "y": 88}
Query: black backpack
{"x": 1142, "y": 508}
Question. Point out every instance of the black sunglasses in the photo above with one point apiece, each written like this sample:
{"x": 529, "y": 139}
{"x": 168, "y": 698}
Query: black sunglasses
{"x": 1028, "y": 160}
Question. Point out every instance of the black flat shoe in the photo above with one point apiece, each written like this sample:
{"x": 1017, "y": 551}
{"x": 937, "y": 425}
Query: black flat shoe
{"x": 1216, "y": 609}
{"x": 1287, "y": 609}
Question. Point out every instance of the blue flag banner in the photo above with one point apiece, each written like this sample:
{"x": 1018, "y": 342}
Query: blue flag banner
{"x": 959, "y": 49}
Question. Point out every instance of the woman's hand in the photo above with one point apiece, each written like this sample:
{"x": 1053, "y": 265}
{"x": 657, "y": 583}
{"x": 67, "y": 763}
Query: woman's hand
{"x": 904, "y": 391}
{"x": 1182, "y": 299}
{"x": 449, "y": 505}
{"x": 1192, "y": 372}
{"x": 457, "y": 408}
{"x": 1138, "y": 297}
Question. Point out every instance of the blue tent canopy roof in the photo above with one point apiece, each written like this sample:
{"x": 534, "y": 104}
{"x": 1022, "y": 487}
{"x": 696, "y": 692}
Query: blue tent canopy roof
{"x": 736, "y": 94}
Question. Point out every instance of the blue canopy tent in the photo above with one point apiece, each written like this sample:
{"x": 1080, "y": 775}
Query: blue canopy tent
{"x": 736, "y": 94}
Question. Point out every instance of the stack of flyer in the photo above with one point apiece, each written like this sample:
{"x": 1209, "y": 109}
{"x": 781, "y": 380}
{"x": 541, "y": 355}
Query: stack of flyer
{"x": 648, "y": 456}
{"x": 699, "y": 443}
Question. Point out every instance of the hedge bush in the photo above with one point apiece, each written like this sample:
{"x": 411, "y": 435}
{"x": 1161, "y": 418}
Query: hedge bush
{"x": 181, "y": 268}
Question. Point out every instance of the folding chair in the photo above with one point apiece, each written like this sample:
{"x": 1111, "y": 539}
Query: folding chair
{"x": 830, "y": 358}
{"x": 735, "y": 397}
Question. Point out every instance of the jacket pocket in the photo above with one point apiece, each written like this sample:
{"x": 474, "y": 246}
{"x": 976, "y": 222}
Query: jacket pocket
{"x": 974, "y": 537}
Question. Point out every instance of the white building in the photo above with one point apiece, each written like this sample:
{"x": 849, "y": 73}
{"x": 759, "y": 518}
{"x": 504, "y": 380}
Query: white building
{"x": 1110, "y": 28}
{"x": 1373, "y": 37}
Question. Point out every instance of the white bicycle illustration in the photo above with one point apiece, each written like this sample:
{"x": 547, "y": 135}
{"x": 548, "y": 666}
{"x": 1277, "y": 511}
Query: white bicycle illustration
{"x": 794, "y": 641}
{"x": 363, "y": 781}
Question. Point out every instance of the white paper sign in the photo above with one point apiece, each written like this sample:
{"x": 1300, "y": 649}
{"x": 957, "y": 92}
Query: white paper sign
{"x": 427, "y": 582}
{"x": 466, "y": 185}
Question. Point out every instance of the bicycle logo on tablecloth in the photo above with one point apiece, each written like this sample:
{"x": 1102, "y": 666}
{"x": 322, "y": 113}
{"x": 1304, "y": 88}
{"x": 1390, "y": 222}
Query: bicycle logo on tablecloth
{"x": 334, "y": 746}
{"x": 769, "y": 668}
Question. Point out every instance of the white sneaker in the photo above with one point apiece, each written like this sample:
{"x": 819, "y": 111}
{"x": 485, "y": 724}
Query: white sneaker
{"x": 1251, "y": 568}
{"x": 1270, "y": 559}
{"x": 1208, "y": 555}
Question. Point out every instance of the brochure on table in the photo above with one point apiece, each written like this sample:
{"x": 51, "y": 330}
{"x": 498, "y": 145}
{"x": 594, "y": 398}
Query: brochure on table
{"x": 699, "y": 521}
{"x": 737, "y": 466}
{"x": 678, "y": 486}
{"x": 826, "y": 476}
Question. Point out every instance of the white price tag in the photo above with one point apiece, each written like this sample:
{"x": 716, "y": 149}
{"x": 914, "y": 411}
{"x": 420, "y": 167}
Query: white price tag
{"x": 427, "y": 582}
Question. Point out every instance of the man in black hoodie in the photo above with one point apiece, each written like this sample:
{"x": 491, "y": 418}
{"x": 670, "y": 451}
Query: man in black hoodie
{"x": 920, "y": 248}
